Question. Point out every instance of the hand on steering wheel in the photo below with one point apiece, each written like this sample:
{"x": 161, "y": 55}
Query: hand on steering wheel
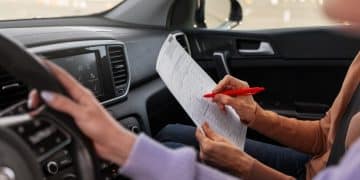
{"x": 111, "y": 141}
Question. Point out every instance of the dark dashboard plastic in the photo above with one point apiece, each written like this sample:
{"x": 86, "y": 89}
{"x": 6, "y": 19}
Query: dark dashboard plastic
{"x": 143, "y": 45}
{"x": 142, "y": 51}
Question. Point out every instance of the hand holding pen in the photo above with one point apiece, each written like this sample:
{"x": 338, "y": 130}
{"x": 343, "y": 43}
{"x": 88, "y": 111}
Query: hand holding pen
{"x": 237, "y": 94}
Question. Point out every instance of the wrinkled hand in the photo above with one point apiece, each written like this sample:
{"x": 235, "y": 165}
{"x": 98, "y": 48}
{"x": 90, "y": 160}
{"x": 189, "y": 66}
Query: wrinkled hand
{"x": 111, "y": 141}
{"x": 217, "y": 151}
{"x": 245, "y": 106}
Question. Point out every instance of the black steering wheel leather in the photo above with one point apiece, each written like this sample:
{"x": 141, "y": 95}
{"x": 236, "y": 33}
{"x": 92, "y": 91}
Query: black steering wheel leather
{"x": 26, "y": 67}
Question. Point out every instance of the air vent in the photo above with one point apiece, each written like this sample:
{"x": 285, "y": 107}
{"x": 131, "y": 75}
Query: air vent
{"x": 119, "y": 68}
{"x": 11, "y": 90}
{"x": 183, "y": 41}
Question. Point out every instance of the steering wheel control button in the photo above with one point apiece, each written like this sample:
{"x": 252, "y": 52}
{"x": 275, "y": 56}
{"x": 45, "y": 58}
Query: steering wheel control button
{"x": 69, "y": 177}
{"x": 41, "y": 150}
{"x": 64, "y": 163}
{"x": 52, "y": 167}
{"x": 20, "y": 129}
{"x": 6, "y": 173}
{"x": 41, "y": 135}
{"x": 37, "y": 123}
{"x": 110, "y": 171}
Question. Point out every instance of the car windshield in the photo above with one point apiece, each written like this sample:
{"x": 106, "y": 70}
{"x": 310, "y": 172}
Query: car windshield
{"x": 29, "y": 9}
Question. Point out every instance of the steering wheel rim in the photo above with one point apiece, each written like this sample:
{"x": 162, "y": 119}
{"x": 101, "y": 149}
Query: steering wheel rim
{"x": 24, "y": 66}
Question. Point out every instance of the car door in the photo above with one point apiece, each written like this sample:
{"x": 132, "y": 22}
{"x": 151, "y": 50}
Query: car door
{"x": 302, "y": 69}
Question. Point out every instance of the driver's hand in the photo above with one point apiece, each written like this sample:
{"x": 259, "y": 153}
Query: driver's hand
{"x": 111, "y": 141}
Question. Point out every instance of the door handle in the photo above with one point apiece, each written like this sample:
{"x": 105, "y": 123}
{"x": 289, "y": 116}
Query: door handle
{"x": 221, "y": 61}
{"x": 264, "y": 49}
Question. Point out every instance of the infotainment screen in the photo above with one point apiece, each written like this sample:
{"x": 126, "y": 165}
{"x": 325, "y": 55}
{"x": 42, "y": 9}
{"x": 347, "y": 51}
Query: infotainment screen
{"x": 84, "y": 68}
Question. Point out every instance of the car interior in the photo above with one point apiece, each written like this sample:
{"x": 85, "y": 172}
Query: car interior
{"x": 114, "y": 54}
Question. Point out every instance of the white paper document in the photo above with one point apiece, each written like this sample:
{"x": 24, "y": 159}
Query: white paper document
{"x": 188, "y": 82}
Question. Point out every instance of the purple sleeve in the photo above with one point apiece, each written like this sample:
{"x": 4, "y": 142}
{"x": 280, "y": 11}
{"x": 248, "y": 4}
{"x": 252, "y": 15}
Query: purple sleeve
{"x": 348, "y": 169}
{"x": 151, "y": 161}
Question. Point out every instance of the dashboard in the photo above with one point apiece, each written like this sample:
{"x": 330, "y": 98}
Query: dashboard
{"x": 116, "y": 64}
{"x": 125, "y": 89}
{"x": 119, "y": 64}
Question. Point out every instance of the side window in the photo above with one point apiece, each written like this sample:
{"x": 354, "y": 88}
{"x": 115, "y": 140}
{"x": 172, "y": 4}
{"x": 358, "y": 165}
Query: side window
{"x": 269, "y": 14}
{"x": 216, "y": 12}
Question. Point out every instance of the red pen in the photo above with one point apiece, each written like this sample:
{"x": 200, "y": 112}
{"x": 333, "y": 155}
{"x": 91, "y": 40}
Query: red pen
{"x": 237, "y": 92}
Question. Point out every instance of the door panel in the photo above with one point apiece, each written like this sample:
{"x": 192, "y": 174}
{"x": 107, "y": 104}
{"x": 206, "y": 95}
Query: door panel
{"x": 303, "y": 74}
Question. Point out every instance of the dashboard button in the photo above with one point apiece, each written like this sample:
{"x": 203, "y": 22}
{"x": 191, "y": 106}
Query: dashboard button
{"x": 135, "y": 129}
{"x": 69, "y": 177}
{"x": 64, "y": 163}
{"x": 20, "y": 129}
{"x": 52, "y": 167}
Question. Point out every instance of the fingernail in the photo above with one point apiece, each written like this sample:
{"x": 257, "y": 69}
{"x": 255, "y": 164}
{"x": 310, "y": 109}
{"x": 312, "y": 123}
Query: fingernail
{"x": 29, "y": 103}
{"x": 47, "y": 96}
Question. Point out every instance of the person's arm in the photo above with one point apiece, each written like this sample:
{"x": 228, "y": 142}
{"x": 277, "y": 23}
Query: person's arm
{"x": 303, "y": 135}
{"x": 149, "y": 160}
{"x": 217, "y": 151}
{"x": 306, "y": 136}
{"x": 144, "y": 158}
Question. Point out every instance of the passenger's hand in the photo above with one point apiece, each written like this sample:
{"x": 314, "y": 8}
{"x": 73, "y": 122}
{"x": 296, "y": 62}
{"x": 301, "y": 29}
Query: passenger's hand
{"x": 111, "y": 141}
{"x": 218, "y": 152}
{"x": 245, "y": 106}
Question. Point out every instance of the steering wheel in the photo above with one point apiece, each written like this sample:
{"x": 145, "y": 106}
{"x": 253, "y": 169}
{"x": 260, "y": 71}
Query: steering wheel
{"x": 38, "y": 147}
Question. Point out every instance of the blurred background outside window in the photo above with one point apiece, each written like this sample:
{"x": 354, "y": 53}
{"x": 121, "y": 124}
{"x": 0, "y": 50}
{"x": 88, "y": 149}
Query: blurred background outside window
{"x": 257, "y": 14}
{"x": 28, "y": 9}
{"x": 269, "y": 14}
